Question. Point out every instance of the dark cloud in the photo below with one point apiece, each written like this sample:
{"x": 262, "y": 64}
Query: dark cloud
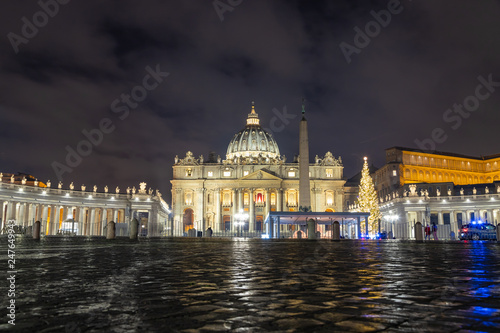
{"x": 396, "y": 90}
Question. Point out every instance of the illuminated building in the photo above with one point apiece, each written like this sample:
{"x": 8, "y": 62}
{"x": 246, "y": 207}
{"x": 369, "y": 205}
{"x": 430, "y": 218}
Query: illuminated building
{"x": 82, "y": 212}
{"x": 253, "y": 178}
{"x": 442, "y": 188}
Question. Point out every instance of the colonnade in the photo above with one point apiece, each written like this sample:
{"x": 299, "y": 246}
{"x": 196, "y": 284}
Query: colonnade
{"x": 79, "y": 212}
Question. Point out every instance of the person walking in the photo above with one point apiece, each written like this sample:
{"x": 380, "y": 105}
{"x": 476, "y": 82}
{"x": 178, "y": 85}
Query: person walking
{"x": 209, "y": 232}
{"x": 434, "y": 231}
{"x": 427, "y": 232}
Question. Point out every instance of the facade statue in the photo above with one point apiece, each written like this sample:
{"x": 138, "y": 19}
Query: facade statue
{"x": 133, "y": 190}
{"x": 48, "y": 183}
{"x": 35, "y": 182}
{"x": 438, "y": 192}
{"x": 59, "y": 185}
{"x": 176, "y": 159}
{"x": 486, "y": 190}
{"x": 449, "y": 191}
{"x": 12, "y": 179}
{"x": 117, "y": 190}
{"x": 83, "y": 188}
{"x": 474, "y": 191}
{"x": 142, "y": 188}
{"x": 106, "y": 189}
{"x": 413, "y": 190}
{"x": 95, "y": 188}
{"x": 71, "y": 186}
{"x": 462, "y": 191}
{"x": 128, "y": 190}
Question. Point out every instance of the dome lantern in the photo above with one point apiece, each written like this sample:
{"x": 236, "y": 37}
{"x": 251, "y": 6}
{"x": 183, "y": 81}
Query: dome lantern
{"x": 253, "y": 144}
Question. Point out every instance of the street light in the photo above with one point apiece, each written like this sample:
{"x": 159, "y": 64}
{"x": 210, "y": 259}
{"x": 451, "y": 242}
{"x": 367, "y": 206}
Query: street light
{"x": 240, "y": 219}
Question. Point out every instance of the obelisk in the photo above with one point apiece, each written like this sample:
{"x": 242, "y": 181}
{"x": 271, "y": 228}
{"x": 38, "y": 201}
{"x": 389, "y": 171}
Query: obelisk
{"x": 304, "y": 181}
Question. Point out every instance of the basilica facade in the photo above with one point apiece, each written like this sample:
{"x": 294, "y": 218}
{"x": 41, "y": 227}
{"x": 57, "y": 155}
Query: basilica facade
{"x": 239, "y": 191}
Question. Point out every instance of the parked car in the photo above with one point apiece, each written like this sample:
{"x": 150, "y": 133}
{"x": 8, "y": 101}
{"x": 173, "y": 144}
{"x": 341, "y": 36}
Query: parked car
{"x": 477, "y": 231}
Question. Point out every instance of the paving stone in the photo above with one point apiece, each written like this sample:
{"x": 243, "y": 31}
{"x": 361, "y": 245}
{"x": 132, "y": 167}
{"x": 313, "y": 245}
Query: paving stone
{"x": 191, "y": 285}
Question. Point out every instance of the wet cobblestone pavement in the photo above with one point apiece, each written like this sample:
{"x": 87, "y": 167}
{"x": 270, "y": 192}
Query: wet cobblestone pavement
{"x": 211, "y": 285}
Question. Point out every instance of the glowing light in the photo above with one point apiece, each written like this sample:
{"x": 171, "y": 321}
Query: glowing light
{"x": 67, "y": 194}
{"x": 136, "y": 199}
{"x": 264, "y": 236}
{"x": 112, "y": 198}
{"x": 90, "y": 197}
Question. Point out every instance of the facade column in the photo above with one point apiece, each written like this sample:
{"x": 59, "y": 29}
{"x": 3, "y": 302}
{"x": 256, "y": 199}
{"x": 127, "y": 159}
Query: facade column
{"x": 217, "y": 217}
{"x": 267, "y": 209}
{"x": 240, "y": 199}
{"x": 279, "y": 200}
{"x": 251, "y": 221}
{"x": 115, "y": 215}
{"x": 234, "y": 209}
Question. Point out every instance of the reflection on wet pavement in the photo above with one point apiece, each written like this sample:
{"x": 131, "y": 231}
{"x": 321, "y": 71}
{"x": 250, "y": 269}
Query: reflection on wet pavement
{"x": 212, "y": 285}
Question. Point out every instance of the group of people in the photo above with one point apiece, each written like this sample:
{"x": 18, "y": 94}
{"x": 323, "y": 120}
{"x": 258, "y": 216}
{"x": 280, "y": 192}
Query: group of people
{"x": 431, "y": 230}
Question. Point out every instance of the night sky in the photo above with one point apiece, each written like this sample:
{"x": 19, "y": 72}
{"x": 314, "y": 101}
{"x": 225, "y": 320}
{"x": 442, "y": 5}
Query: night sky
{"x": 70, "y": 74}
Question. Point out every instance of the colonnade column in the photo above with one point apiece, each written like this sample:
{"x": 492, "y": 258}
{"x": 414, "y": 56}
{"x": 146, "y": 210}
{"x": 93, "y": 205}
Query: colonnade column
{"x": 10, "y": 209}
{"x": 45, "y": 213}
{"x": 91, "y": 221}
{"x": 2, "y": 214}
{"x": 104, "y": 221}
{"x": 440, "y": 218}
{"x": 83, "y": 221}
{"x": 453, "y": 223}
{"x": 251, "y": 221}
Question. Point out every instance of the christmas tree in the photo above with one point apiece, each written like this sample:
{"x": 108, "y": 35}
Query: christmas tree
{"x": 368, "y": 200}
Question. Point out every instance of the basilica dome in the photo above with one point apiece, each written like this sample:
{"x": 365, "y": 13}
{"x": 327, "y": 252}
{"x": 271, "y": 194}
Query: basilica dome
{"x": 253, "y": 142}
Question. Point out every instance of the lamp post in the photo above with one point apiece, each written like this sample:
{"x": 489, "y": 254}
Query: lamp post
{"x": 240, "y": 219}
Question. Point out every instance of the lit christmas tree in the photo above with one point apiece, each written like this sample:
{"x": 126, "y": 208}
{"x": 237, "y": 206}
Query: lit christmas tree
{"x": 368, "y": 200}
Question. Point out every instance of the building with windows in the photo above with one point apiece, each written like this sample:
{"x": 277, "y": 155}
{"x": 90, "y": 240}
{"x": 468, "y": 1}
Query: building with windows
{"x": 254, "y": 179}
{"x": 407, "y": 166}
{"x": 434, "y": 187}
